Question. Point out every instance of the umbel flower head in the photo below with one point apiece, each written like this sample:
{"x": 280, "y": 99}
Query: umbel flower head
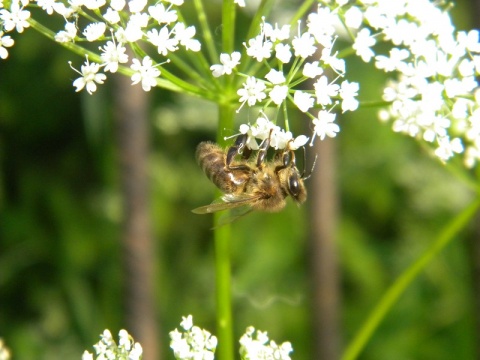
{"x": 112, "y": 24}
{"x": 297, "y": 59}
{"x": 193, "y": 342}
{"x": 106, "y": 348}
{"x": 433, "y": 92}
{"x": 256, "y": 346}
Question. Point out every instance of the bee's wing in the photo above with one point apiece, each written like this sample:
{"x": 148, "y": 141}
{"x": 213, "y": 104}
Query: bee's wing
{"x": 227, "y": 202}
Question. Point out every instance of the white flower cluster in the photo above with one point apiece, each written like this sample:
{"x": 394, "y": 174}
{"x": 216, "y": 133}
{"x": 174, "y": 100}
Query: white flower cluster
{"x": 113, "y": 23}
{"x": 194, "y": 343}
{"x": 14, "y": 18}
{"x": 106, "y": 348}
{"x": 435, "y": 95}
{"x": 291, "y": 63}
{"x": 264, "y": 128}
{"x": 257, "y": 347}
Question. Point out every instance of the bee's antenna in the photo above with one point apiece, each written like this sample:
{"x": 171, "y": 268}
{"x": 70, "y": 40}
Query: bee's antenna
{"x": 303, "y": 177}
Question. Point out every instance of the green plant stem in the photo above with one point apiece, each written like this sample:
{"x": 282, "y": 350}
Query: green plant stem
{"x": 222, "y": 238}
{"x": 405, "y": 279}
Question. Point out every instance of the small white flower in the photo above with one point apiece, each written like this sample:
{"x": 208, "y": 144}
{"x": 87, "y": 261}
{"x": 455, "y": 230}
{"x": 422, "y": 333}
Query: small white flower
{"x": 16, "y": 18}
{"x": 338, "y": 65}
{"x": 133, "y": 32}
{"x": 276, "y": 33}
{"x": 137, "y": 6}
{"x": 240, "y": 3}
{"x": 5, "y": 42}
{"x": 162, "y": 15}
{"x": 312, "y": 70}
{"x": 278, "y": 94}
{"x": 253, "y": 91}
{"x": 228, "y": 63}
{"x": 284, "y": 54}
{"x": 362, "y": 44}
{"x": 89, "y": 77}
{"x": 68, "y": 34}
{"x": 161, "y": 39}
{"x": 325, "y": 91}
{"x": 304, "y": 45}
{"x": 87, "y": 356}
{"x": 303, "y": 100}
{"x": 348, "y": 91}
{"x": 275, "y": 77}
{"x": 112, "y": 55}
{"x": 95, "y": 31}
{"x": 394, "y": 62}
{"x": 185, "y": 37}
{"x": 258, "y": 48}
{"x": 353, "y": 17}
{"x": 145, "y": 72}
{"x": 187, "y": 322}
{"x": 46, "y": 5}
{"x": 112, "y": 16}
{"x": 194, "y": 343}
{"x": 298, "y": 142}
{"x": 446, "y": 148}
{"x": 117, "y": 5}
{"x": 324, "y": 125}
{"x": 94, "y": 4}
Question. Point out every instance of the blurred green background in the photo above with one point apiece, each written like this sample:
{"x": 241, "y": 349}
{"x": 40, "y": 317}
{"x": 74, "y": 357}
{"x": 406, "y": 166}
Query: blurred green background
{"x": 60, "y": 209}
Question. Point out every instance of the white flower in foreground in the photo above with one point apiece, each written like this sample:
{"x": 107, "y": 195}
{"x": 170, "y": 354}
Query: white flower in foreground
{"x": 325, "y": 91}
{"x": 324, "y": 125}
{"x": 259, "y": 48}
{"x": 303, "y": 100}
{"x": 362, "y": 44}
{"x": 89, "y": 77}
{"x": 137, "y": 6}
{"x": 5, "y": 41}
{"x": 283, "y": 52}
{"x": 228, "y": 63}
{"x": 256, "y": 346}
{"x": 145, "y": 72}
{"x": 162, "y": 40}
{"x": 278, "y": 94}
{"x": 348, "y": 91}
{"x": 193, "y": 342}
{"x": 46, "y": 5}
{"x": 185, "y": 35}
{"x": 162, "y": 14}
{"x": 106, "y": 348}
{"x": 304, "y": 45}
{"x": 68, "y": 34}
{"x": 253, "y": 91}
{"x": 94, "y": 31}
{"x": 112, "y": 55}
{"x": 312, "y": 70}
{"x": 446, "y": 148}
{"x": 16, "y": 18}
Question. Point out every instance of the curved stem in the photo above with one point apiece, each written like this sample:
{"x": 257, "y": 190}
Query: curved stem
{"x": 406, "y": 278}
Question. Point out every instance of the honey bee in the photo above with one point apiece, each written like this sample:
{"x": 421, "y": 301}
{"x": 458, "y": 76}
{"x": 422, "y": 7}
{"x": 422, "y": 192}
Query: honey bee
{"x": 254, "y": 183}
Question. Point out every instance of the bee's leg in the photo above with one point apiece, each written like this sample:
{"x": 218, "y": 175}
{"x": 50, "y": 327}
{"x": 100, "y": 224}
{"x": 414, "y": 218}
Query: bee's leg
{"x": 262, "y": 151}
{"x": 288, "y": 159}
{"x": 237, "y": 148}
